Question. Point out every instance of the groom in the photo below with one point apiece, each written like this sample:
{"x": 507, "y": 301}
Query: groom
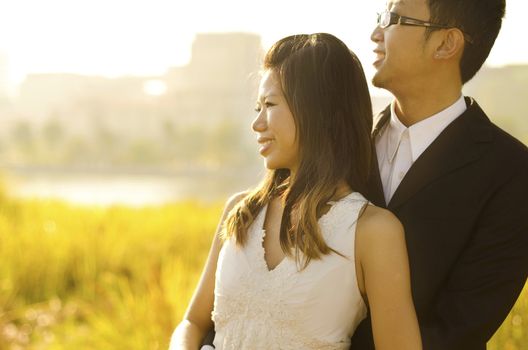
{"x": 458, "y": 183}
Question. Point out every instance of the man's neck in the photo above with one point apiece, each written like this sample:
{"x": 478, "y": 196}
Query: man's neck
{"x": 413, "y": 108}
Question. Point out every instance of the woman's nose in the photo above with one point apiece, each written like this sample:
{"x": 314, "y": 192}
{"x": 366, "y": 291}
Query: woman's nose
{"x": 259, "y": 124}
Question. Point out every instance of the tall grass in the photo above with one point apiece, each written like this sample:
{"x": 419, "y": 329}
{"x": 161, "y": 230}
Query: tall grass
{"x": 118, "y": 278}
{"x": 93, "y": 278}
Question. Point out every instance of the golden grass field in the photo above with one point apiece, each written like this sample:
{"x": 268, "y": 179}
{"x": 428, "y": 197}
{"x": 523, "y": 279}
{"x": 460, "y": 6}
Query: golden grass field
{"x": 74, "y": 277}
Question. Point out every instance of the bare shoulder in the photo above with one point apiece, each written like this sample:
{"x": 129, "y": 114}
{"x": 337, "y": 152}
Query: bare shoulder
{"x": 380, "y": 245}
{"x": 377, "y": 226}
{"x": 231, "y": 202}
{"x": 379, "y": 221}
{"x": 234, "y": 200}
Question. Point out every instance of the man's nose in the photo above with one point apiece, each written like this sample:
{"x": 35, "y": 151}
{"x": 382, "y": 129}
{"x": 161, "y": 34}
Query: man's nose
{"x": 377, "y": 34}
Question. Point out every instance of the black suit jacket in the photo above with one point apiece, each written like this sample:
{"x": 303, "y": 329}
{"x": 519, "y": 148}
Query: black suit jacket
{"x": 464, "y": 207}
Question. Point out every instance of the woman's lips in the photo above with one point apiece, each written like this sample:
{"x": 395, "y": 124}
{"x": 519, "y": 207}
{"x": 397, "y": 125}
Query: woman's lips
{"x": 265, "y": 144}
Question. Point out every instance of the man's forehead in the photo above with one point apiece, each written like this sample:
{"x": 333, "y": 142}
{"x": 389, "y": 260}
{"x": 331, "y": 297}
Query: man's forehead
{"x": 395, "y": 2}
{"x": 406, "y": 2}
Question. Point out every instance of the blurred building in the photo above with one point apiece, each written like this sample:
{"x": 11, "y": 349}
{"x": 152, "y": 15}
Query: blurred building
{"x": 218, "y": 84}
{"x": 196, "y": 115}
{"x": 4, "y": 75}
{"x": 5, "y": 114}
{"x": 82, "y": 103}
{"x": 202, "y": 110}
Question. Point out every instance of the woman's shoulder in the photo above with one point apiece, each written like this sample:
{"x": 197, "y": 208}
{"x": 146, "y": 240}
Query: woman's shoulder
{"x": 380, "y": 242}
{"x": 235, "y": 199}
{"x": 378, "y": 224}
{"x": 232, "y": 201}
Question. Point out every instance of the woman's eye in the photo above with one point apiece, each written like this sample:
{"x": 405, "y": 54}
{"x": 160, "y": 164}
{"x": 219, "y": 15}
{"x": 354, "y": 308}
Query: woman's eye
{"x": 258, "y": 108}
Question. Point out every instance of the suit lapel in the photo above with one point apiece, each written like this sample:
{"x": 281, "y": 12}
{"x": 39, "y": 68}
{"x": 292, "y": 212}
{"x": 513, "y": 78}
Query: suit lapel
{"x": 379, "y": 121}
{"x": 459, "y": 144}
{"x": 375, "y": 187}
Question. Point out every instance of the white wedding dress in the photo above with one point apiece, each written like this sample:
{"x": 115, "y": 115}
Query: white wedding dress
{"x": 316, "y": 308}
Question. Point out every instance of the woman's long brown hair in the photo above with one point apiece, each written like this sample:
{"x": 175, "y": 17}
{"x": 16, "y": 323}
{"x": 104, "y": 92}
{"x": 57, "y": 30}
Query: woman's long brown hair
{"x": 326, "y": 90}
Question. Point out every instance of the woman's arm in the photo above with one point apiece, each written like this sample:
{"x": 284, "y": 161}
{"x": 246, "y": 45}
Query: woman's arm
{"x": 197, "y": 320}
{"x": 384, "y": 278}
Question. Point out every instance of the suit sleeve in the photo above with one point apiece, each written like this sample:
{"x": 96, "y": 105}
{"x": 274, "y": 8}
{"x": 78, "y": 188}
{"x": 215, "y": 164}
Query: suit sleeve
{"x": 488, "y": 276}
{"x": 362, "y": 338}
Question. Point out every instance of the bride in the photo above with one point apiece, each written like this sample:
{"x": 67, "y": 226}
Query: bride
{"x": 298, "y": 261}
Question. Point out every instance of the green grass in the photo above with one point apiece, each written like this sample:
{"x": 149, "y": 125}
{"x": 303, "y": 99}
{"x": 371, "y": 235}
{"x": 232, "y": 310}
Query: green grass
{"x": 75, "y": 277}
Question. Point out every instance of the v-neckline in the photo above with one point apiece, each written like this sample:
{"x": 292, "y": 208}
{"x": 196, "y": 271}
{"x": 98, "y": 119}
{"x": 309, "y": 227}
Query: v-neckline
{"x": 262, "y": 233}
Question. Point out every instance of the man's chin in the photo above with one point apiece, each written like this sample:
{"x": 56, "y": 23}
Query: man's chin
{"x": 377, "y": 81}
{"x": 381, "y": 80}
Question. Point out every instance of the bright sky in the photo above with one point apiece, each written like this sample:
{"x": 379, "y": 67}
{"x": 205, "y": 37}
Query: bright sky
{"x": 141, "y": 37}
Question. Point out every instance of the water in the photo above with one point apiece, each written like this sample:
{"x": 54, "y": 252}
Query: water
{"x": 127, "y": 189}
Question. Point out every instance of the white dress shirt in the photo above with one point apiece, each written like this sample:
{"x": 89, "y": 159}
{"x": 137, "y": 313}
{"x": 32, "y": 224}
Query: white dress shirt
{"x": 398, "y": 146}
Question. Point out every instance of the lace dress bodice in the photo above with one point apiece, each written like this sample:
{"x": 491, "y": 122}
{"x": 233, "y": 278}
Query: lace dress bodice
{"x": 316, "y": 308}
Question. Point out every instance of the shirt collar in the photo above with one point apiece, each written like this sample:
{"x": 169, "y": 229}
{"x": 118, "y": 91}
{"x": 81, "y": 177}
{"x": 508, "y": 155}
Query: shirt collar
{"x": 423, "y": 133}
{"x": 396, "y": 129}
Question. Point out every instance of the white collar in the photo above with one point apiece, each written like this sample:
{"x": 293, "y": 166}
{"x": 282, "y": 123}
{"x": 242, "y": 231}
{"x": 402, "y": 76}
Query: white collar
{"x": 423, "y": 133}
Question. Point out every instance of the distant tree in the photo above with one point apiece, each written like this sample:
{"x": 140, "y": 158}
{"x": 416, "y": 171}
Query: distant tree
{"x": 3, "y": 148}
{"x": 53, "y": 133}
{"x": 142, "y": 152}
{"x": 225, "y": 143}
{"x": 23, "y": 139}
{"x": 170, "y": 135}
{"x": 106, "y": 144}
{"x": 169, "y": 130}
{"x": 77, "y": 151}
{"x": 191, "y": 144}
{"x": 5, "y": 102}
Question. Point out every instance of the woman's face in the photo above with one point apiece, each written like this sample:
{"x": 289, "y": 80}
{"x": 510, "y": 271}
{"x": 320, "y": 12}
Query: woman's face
{"x": 275, "y": 126}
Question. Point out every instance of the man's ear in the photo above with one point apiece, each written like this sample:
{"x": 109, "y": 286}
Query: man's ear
{"x": 452, "y": 44}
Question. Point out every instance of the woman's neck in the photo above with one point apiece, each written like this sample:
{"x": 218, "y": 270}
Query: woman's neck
{"x": 342, "y": 190}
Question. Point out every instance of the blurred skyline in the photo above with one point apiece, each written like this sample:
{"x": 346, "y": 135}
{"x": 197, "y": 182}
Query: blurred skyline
{"x": 114, "y": 37}
{"x": 184, "y": 134}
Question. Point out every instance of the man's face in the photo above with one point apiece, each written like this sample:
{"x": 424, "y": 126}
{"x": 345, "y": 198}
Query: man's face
{"x": 402, "y": 54}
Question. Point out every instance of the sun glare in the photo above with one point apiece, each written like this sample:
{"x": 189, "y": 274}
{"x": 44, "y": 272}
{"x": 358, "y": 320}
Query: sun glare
{"x": 155, "y": 87}
{"x": 44, "y": 40}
